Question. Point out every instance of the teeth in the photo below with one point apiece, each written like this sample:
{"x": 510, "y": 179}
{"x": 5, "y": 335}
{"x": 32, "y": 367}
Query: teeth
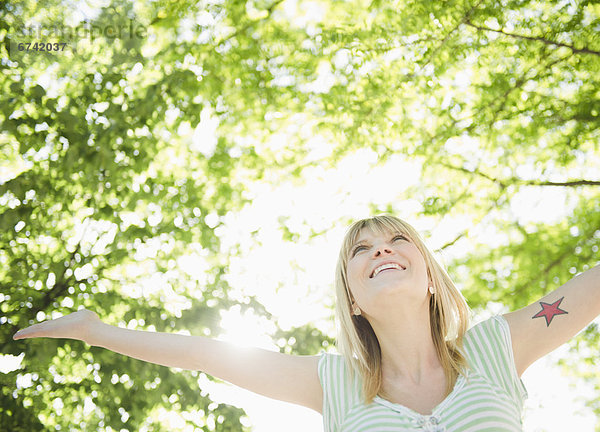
{"x": 387, "y": 266}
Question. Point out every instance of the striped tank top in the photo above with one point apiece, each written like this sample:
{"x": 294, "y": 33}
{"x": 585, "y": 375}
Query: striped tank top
{"x": 490, "y": 398}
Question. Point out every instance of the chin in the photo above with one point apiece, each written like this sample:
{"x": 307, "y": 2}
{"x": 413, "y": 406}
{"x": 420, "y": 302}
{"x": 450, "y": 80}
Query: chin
{"x": 393, "y": 289}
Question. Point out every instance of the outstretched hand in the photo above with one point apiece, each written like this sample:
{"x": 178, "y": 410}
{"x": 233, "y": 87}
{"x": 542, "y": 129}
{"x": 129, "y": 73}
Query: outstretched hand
{"x": 73, "y": 326}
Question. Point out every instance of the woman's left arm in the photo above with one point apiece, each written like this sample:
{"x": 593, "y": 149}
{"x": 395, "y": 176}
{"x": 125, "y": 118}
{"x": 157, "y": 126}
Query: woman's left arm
{"x": 548, "y": 323}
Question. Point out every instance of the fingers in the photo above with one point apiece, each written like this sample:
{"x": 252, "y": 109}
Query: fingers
{"x": 36, "y": 330}
{"x": 19, "y": 335}
{"x": 72, "y": 326}
{"x": 26, "y": 333}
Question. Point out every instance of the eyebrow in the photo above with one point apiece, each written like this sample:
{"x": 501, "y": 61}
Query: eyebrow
{"x": 358, "y": 243}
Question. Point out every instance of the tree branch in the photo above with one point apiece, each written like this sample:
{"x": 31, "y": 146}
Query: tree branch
{"x": 545, "y": 272}
{"x": 465, "y": 20}
{"x": 572, "y": 183}
{"x": 499, "y": 182}
{"x": 474, "y": 223}
{"x": 519, "y": 83}
{"x": 534, "y": 38}
{"x": 451, "y": 242}
{"x": 514, "y": 180}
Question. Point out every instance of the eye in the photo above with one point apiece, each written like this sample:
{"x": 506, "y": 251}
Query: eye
{"x": 357, "y": 249}
{"x": 398, "y": 237}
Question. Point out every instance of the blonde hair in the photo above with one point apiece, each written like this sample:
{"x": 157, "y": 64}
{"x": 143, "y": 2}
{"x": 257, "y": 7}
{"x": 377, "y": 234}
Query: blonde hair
{"x": 448, "y": 313}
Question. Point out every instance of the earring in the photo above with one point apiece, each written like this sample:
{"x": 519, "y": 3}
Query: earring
{"x": 356, "y": 310}
{"x": 431, "y": 290}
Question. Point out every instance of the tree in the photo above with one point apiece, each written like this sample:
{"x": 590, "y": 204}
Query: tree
{"x": 107, "y": 178}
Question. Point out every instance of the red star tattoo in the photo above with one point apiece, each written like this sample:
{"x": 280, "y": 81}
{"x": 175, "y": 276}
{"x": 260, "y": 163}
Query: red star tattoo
{"x": 549, "y": 310}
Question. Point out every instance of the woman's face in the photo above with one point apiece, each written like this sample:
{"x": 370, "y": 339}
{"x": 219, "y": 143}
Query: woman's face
{"x": 384, "y": 269}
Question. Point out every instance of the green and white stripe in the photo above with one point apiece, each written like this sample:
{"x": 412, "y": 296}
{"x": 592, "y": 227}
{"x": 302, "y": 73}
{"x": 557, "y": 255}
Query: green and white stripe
{"x": 490, "y": 398}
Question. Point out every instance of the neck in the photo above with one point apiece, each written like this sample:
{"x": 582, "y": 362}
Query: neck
{"x": 407, "y": 349}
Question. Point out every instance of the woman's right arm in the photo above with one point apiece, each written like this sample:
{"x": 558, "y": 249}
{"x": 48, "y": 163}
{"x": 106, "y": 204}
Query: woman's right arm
{"x": 279, "y": 376}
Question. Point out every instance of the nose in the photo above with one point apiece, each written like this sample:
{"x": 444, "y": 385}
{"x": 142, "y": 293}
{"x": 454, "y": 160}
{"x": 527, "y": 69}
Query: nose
{"x": 382, "y": 250}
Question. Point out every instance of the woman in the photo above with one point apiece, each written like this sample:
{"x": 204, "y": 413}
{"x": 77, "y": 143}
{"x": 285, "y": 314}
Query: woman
{"x": 407, "y": 361}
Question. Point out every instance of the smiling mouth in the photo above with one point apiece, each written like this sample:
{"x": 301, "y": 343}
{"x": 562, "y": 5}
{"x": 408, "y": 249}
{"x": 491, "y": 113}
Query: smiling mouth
{"x": 388, "y": 266}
